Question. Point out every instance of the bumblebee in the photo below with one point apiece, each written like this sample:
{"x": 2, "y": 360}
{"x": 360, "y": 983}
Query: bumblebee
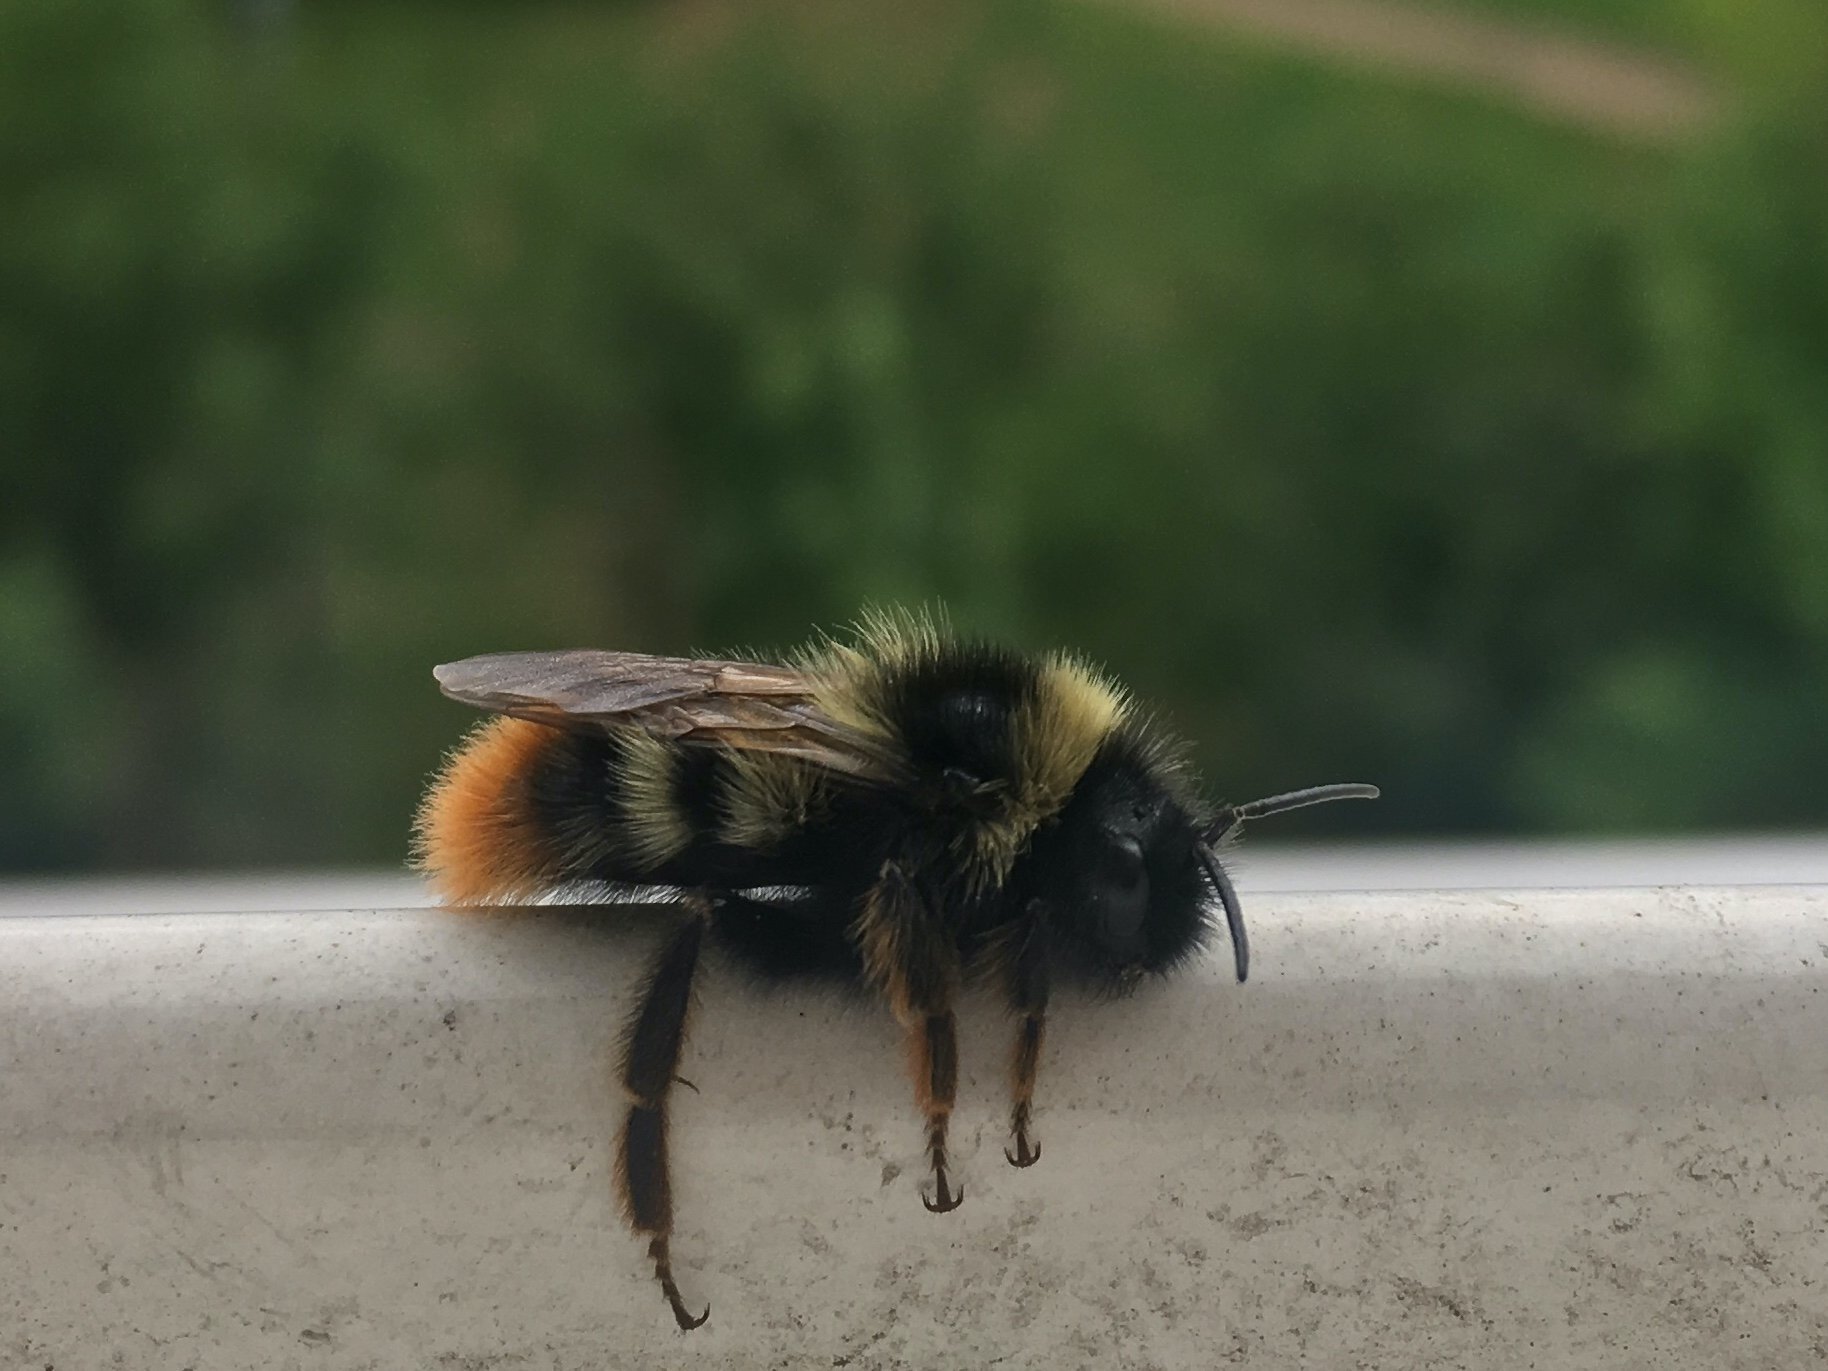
{"x": 902, "y": 808}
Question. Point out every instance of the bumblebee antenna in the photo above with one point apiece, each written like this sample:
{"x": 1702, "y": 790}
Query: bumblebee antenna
{"x": 1233, "y": 817}
{"x": 1234, "y": 912}
{"x": 1229, "y": 820}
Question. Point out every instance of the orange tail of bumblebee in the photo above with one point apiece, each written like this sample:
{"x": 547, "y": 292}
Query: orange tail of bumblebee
{"x": 476, "y": 835}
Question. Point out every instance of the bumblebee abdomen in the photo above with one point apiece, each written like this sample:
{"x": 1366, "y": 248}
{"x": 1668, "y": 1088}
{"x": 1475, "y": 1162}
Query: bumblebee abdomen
{"x": 523, "y": 809}
{"x": 485, "y": 831}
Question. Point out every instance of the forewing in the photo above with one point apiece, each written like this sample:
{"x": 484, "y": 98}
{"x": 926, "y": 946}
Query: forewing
{"x": 745, "y": 705}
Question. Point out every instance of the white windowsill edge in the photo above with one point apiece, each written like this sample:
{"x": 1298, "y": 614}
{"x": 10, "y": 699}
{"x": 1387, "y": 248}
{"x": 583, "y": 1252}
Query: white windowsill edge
{"x": 1551, "y": 1128}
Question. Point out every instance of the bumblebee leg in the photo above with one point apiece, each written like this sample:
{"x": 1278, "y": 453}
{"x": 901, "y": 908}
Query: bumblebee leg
{"x": 1026, "y": 981}
{"x": 910, "y": 956}
{"x": 935, "y": 1050}
{"x": 650, "y": 1060}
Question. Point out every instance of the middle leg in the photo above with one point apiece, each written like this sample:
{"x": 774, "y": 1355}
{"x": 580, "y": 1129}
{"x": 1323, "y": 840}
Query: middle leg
{"x": 907, "y": 953}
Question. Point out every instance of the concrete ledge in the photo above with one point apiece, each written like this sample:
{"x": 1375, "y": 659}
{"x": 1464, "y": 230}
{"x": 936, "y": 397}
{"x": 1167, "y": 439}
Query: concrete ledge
{"x": 1559, "y": 1129}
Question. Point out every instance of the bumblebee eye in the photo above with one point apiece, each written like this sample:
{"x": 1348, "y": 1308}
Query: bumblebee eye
{"x": 1126, "y": 863}
{"x": 1120, "y": 897}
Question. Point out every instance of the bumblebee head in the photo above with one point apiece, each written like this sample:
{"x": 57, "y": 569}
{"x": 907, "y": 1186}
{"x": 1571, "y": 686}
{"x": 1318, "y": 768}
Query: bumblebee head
{"x": 1116, "y": 875}
{"x": 1128, "y": 876}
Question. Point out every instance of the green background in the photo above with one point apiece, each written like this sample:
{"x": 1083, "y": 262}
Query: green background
{"x": 1369, "y": 427}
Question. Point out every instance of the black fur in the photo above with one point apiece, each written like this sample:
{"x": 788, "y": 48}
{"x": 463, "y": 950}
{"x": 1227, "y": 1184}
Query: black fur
{"x": 955, "y": 716}
{"x": 576, "y": 796}
{"x": 1073, "y": 868}
{"x": 953, "y": 713}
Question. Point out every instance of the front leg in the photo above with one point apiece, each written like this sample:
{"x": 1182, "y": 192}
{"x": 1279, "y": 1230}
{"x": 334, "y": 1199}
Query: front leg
{"x": 1025, "y": 982}
{"x": 909, "y": 955}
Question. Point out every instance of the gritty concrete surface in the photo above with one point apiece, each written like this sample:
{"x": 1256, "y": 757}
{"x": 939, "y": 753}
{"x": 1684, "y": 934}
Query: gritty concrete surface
{"x": 1555, "y": 1129}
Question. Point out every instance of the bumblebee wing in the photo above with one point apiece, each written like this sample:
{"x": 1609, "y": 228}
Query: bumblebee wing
{"x": 748, "y": 706}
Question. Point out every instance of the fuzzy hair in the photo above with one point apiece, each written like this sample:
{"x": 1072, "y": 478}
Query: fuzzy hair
{"x": 1058, "y": 727}
{"x": 768, "y": 797}
{"x": 654, "y": 828}
{"x": 476, "y": 835}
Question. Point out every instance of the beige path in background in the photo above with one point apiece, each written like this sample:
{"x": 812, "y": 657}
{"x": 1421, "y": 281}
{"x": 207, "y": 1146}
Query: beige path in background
{"x": 1610, "y": 87}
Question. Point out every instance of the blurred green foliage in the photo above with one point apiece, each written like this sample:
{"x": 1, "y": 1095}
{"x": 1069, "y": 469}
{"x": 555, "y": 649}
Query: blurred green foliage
{"x": 1371, "y": 431}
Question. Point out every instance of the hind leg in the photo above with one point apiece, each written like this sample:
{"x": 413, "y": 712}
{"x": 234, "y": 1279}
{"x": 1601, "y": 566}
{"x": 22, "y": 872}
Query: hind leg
{"x": 650, "y": 1064}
